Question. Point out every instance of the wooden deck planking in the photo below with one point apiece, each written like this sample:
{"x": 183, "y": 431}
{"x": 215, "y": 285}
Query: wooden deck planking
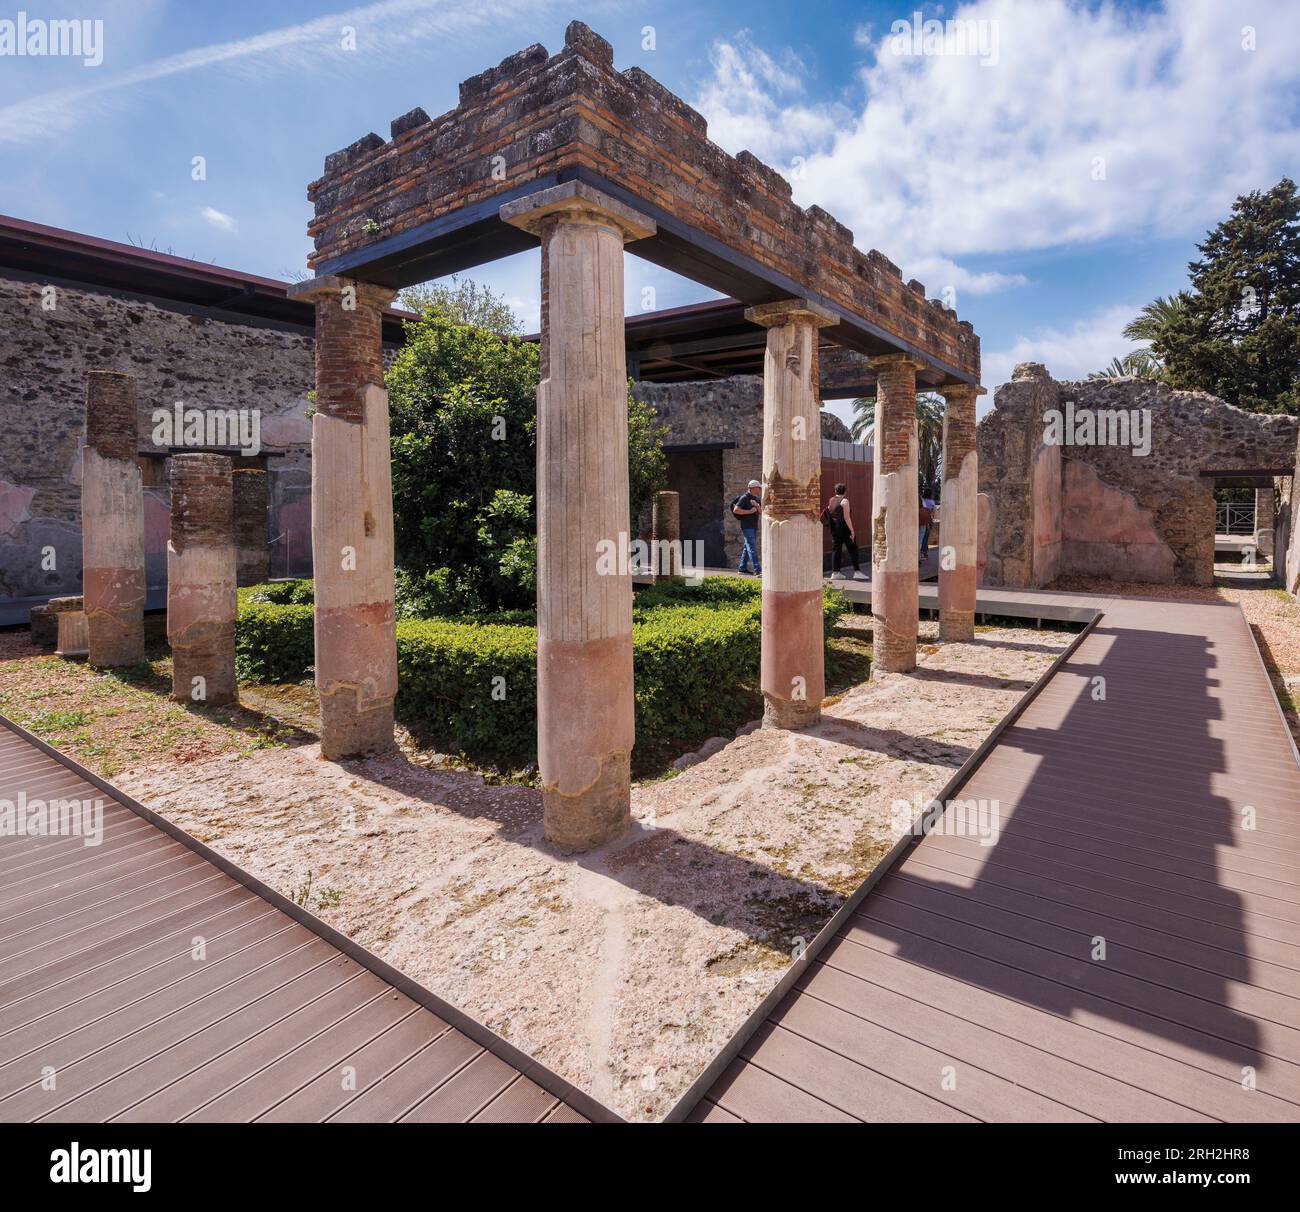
{"x": 100, "y": 983}
{"x": 1121, "y": 820}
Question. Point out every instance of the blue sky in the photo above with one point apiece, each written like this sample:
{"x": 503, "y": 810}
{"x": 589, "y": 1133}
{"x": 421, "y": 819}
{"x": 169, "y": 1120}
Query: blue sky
{"x": 1053, "y": 181}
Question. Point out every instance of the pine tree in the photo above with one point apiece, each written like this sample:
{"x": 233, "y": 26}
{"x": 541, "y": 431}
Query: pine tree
{"x": 1237, "y": 334}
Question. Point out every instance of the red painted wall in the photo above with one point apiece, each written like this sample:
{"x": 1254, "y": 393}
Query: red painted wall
{"x": 858, "y": 478}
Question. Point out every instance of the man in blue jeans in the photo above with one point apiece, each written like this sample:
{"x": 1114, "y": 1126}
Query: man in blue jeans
{"x": 748, "y": 508}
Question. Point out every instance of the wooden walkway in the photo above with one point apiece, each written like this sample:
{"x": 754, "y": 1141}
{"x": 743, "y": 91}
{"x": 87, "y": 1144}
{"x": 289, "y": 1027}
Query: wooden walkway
{"x": 1127, "y": 950}
{"x": 147, "y": 979}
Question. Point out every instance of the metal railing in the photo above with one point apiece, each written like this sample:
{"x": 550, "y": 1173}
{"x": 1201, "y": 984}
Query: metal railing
{"x": 1234, "y": 518}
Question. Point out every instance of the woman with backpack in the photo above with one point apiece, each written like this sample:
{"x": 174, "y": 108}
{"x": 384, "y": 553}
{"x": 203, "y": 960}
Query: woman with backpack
{"x": 839, "y": 517}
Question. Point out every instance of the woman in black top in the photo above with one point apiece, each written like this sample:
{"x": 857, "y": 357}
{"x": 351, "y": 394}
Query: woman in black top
{"x": 841, "y": 530}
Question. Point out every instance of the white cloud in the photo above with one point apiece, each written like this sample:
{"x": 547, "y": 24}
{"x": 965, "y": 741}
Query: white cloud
{"x": 944, "y": 158}
{"x": 311, "y": 45}
{"x": 1069, "y": 353}
{"x": 751, "y": 101}
{"x": 219, "y": 219}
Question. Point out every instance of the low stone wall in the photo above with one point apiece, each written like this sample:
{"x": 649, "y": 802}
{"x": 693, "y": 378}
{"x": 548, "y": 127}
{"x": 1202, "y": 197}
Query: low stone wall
{"x": 1137, "y": 509}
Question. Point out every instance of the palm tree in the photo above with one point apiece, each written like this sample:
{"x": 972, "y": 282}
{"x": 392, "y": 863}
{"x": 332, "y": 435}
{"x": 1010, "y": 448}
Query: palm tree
{"x": 1156, "y": 316}
{"x": 1148, "y": 325}
{"x": 929, "y": 435}
{"x": 1140, "y": 364}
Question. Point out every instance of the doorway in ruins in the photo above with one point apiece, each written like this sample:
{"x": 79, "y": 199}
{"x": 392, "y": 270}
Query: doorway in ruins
{"x": 1245, "y": 511}
{"x": 695, "y": 474}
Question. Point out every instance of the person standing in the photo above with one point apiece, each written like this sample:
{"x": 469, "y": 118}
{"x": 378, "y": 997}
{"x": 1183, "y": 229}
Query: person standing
{"x": 924, "y": 518}
{"x": 748, "y": 510}
{"x": 840, "y": 519}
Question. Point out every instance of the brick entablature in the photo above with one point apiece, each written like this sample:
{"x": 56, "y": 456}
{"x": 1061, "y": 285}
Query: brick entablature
{"x": 536, "y": 114}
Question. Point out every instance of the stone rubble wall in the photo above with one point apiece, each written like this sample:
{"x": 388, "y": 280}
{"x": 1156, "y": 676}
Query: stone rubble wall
{"x": 1101, "y": 510}
{"x": 1286, "y": 535}
{"x": 175, "y": 356}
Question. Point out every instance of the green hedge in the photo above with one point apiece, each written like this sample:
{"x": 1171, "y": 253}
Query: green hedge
{"x": 472, "y": 682}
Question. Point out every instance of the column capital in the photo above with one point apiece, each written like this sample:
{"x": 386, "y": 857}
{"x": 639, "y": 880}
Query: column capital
{"x": 959, "y": 393}
{"x": 577, "y": 202}
{"x": 891, "y": 361}
{"x": 791, "y": 311}
{"x": 325, "y": 287}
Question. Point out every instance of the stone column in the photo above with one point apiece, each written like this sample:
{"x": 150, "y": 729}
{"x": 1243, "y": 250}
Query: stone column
{"x": 201, "y": 580}
{"x": 895, "y": 543}
{"x": 959, "y": 514}
{"x": 585, "y": 722}
{"x": 793, "y": 660}
{"x": 252, "y": 554}
{"x": 112, "y": 522}
{"x": 1264, "y": 519}
{"x": 352, "y": 518}
{"x": 666, "y": 536}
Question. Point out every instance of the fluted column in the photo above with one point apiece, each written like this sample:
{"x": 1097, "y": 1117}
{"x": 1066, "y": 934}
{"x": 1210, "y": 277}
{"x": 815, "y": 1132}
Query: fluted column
{"x": 793, "y": 654}
{"x": 895, "y": 547}
{"x": 112, "y": 522}
{"x": 585, "y": 716}
{"x": 959, "y": 514}
{"x": 352, "y": 518}
{"x": 201, "y": 580}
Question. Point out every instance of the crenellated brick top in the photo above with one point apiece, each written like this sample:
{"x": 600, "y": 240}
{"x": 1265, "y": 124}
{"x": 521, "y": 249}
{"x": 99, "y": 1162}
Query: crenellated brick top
{"x": 536, "y": 114}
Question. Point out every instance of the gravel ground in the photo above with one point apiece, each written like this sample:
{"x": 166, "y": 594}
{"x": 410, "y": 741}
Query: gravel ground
{"x": 626, "y": 969}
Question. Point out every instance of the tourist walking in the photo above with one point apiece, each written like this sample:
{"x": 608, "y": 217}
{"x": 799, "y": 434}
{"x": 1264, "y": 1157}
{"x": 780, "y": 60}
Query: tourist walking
{"x": 839, "y": 517}
{"x": 747, "y": 510}
{"x": 924, "y": 518}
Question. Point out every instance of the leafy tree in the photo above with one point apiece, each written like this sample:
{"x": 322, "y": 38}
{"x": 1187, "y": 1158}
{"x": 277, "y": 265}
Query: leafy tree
{"x": 463, "y": 411}
{"x": 464, "y": 301}
{"x": 929, "y": 436}
{"x": 1237, "y": 332}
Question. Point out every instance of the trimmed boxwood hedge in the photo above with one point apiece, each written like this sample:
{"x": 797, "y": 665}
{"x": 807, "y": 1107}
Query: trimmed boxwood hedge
{"x": 474, "y": 682}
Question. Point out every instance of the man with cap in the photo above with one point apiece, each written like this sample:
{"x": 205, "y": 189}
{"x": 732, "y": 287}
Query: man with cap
{"x": 747, "y": 509}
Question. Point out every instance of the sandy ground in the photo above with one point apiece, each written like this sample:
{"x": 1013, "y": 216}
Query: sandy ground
{"x": 627, "y": 969}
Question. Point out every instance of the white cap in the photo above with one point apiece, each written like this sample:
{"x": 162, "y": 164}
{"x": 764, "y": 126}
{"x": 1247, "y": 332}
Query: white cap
{"x": 755, "y": 484}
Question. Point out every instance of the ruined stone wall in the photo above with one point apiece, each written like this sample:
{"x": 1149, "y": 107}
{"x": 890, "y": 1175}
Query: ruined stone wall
{"x": 722, "y": 410}
{"x": 1119, "y": 514}
{"x": 175, "y": 356}
{"x": 1286, "y": 540}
